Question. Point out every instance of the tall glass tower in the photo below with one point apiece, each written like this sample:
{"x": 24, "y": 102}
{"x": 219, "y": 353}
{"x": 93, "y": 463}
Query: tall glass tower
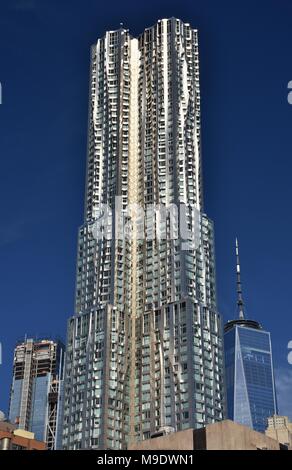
{"x": 145, "y": 344}
{"x": 37, "y": 389}
{"x": 251, "y": 396}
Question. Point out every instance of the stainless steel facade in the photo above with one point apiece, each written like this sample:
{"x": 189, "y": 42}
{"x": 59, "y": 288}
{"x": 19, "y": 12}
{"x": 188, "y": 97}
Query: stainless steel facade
{"x": 144, "y": 348}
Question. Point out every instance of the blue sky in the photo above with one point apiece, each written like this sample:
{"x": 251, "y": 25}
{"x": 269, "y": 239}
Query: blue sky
{"x": 245, "y": 59}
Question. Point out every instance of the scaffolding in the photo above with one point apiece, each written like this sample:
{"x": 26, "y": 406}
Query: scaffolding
{"x": 34, "y": 359}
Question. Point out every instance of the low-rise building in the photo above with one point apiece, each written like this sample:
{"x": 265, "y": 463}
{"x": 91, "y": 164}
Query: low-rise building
{"x": 224, "y": 435}
{"x": 12, "y": 438}
{"x": 280, "y": 428}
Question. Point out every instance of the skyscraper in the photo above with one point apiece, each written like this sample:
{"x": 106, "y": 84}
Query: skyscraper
{"x": 144, "y": 348}
{"x": 37, "y": 388}
{"x": 251, "y": 396}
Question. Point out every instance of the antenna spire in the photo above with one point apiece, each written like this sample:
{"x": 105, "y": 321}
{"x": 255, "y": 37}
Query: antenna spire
{"x": 240, "y": 303}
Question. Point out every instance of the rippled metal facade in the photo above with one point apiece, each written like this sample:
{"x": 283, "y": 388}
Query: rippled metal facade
{"x": 144, "y": 348}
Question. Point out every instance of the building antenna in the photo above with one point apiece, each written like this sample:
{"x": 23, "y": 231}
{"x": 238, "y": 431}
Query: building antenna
{"x": 240, "y": 303}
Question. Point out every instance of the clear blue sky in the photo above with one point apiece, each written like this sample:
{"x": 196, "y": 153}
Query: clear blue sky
{"x": 246, "y": 63}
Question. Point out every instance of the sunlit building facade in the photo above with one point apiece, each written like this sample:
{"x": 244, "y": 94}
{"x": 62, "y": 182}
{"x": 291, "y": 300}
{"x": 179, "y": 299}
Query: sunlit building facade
{"x": 144, "y": 348}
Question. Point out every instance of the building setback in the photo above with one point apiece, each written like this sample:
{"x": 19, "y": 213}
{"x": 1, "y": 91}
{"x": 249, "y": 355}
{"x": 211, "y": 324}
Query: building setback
{"x": 144, "y": 348}
{"x": 37, "y": 389}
